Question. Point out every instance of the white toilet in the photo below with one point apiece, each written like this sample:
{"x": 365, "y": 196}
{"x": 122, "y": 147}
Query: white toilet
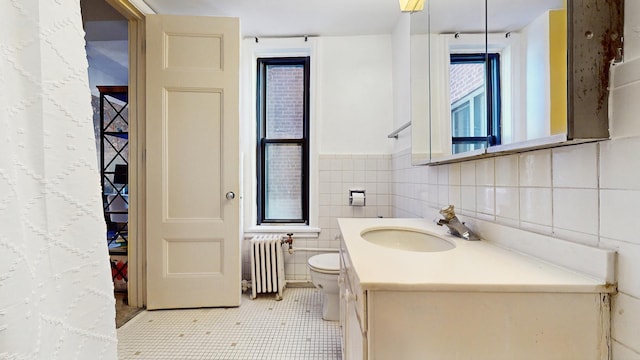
{"x": 325, "y": 269}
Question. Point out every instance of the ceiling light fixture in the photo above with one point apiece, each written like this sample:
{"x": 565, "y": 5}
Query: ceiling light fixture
{"x": 411, "y": 5}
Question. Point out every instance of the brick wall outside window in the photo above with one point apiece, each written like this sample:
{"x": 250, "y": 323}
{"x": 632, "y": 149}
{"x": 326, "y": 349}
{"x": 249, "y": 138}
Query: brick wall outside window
{"x": 464, "y": 79}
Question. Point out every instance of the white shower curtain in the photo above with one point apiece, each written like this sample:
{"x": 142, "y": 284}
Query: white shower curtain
{"x": 56, "y": 294}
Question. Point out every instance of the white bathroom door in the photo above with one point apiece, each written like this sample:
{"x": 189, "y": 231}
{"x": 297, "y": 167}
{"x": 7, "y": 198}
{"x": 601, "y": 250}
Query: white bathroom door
{"x": 192, "y": 158}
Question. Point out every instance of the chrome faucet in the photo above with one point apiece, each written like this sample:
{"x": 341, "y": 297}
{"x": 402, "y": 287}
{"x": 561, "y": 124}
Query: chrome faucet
{"x": 456, "y": 227}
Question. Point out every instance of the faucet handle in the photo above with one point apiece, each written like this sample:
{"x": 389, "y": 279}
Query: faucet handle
{"x": 448, "y": 212}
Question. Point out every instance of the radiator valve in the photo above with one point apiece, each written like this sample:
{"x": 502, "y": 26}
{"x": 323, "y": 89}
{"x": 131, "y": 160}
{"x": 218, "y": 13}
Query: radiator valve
{"x": 289, "y": 240}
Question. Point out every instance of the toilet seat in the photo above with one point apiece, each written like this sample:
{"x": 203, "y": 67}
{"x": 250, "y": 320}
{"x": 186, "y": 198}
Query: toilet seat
{"x": 325, "y": 263}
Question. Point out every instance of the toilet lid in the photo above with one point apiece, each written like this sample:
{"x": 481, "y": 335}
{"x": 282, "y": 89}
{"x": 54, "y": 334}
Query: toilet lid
{"x": 325, "y": 263}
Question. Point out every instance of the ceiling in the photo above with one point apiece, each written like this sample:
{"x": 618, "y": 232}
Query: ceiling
{"x": 293, "y": 17}
{"x": 450, "y": 16}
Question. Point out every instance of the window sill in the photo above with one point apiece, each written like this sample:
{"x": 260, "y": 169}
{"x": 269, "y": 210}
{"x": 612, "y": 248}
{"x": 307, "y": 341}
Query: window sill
{"x": 301, "y": 231}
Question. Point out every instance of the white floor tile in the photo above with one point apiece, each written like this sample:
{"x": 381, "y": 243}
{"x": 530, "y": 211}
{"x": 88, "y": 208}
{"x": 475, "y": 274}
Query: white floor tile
{"x": 259, "y": 329}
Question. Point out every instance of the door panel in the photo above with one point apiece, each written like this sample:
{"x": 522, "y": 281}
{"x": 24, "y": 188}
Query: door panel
{"x": 187, "y": 136}
{"x": 193, "y": 231}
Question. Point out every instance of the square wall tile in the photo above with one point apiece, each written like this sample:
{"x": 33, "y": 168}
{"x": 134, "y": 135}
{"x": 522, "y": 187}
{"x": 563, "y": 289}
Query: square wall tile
{"x": 432, "y": 194}
{"x": 622, "y": 352}
{"x": 347, "y": 164}
{"x": 625, "y": 317}
{"x": 443, "y": 195}
{"x": 485, "y": 200}
{"x": 468, "y": 198}
{"x": 454, "y": 174}
{"x": 324, "y": 164}
{"x": 576, "y": 166}
{"x": 619, "y": 215}
{"x": 576, "y": 210}
{"x": 508, "y": 202}
{"x": 535, "y": 168}
{"x": 455, "y": 196}
{"x": 371, "y": 164}
{"x": 485, "y": 175}
{"x": 336, "y": 164}
{"x": 536, "y": 206}
{"x": 506, "y": 170}
{"x": 443, "y": 175}
{"x": 468, "y": 173}
{"x": 383, "y": 164}
{"x": 620, "y": 164}
{"x": 432, "y": 175}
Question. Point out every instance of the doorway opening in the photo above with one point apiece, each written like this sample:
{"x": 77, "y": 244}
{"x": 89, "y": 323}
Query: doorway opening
{"x": 107, "y": 48}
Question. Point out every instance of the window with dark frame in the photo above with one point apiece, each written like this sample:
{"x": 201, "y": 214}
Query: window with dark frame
{"x": 475, "y": 101}
{"x": 283, "y": 140}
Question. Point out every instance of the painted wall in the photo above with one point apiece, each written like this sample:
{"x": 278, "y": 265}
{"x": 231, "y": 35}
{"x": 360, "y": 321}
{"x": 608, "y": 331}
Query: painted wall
{"x": 355, "y": 92}
{"x": 108, "y": 63}
{"x": 584, "y": 193}
{"x": 402, "y": 92}
{"x": 536, "y": 37}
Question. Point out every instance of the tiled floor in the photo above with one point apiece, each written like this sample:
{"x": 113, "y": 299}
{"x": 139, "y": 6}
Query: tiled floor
{"x": 259, "y": 329}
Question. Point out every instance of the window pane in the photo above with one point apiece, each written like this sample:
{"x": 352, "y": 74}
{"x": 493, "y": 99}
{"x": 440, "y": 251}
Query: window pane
{"x": 461, "y": 118}
{"x": 460, "y": 148}
{"x": 468, "y": 112}
{"x": 465, "y": 79}
{"x": 283, "y": 198}
{"x": 479, "y": 116}
{"x": 285, "y": 101}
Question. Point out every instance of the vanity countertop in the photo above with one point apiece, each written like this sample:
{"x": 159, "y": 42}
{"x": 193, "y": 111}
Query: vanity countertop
{"x": 471, "y": 266}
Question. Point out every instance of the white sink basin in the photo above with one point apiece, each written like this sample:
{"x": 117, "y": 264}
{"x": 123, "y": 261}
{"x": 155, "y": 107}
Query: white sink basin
{"x": 406, "y": 239}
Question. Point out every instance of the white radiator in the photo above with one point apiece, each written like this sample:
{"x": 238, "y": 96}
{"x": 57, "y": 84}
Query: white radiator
{"x": 267, "y": 265}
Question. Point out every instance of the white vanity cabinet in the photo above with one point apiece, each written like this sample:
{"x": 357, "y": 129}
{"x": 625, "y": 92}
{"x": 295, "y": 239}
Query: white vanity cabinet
{"x": 405, "y": 305}
{"x": 352, "y": 300}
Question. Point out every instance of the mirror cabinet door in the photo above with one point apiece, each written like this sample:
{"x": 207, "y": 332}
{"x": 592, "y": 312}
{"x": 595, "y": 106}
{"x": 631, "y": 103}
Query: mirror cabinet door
{"x": 503, "y": 75}
{"x": 448, "y": 85}
{"x": 420, "y": 88}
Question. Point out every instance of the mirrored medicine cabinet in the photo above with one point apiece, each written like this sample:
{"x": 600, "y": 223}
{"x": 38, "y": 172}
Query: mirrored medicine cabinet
{"x": 500, "y": 76}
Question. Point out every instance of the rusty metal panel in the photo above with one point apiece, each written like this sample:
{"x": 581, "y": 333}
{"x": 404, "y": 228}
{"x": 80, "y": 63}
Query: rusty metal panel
{"x": 595, "y": 29}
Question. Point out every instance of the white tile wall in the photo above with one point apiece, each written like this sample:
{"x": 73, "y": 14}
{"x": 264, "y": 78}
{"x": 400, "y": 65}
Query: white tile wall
{"x": 620, "y": 164}
{"x": 625, "y": 317}
{"x": 619, "y": 215}
{"x": 506, "y": 168}
{"x": 535, "y": 168}
{"x": 535, "y": 205}
{"x": 576, "y": 210}
{"x": 507, "y": 205}
{"x": 575, "y": 166}
{"x": 485, "y": 172}
{"x": 621, "y": 352}
{"x": 337, "y": 174}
